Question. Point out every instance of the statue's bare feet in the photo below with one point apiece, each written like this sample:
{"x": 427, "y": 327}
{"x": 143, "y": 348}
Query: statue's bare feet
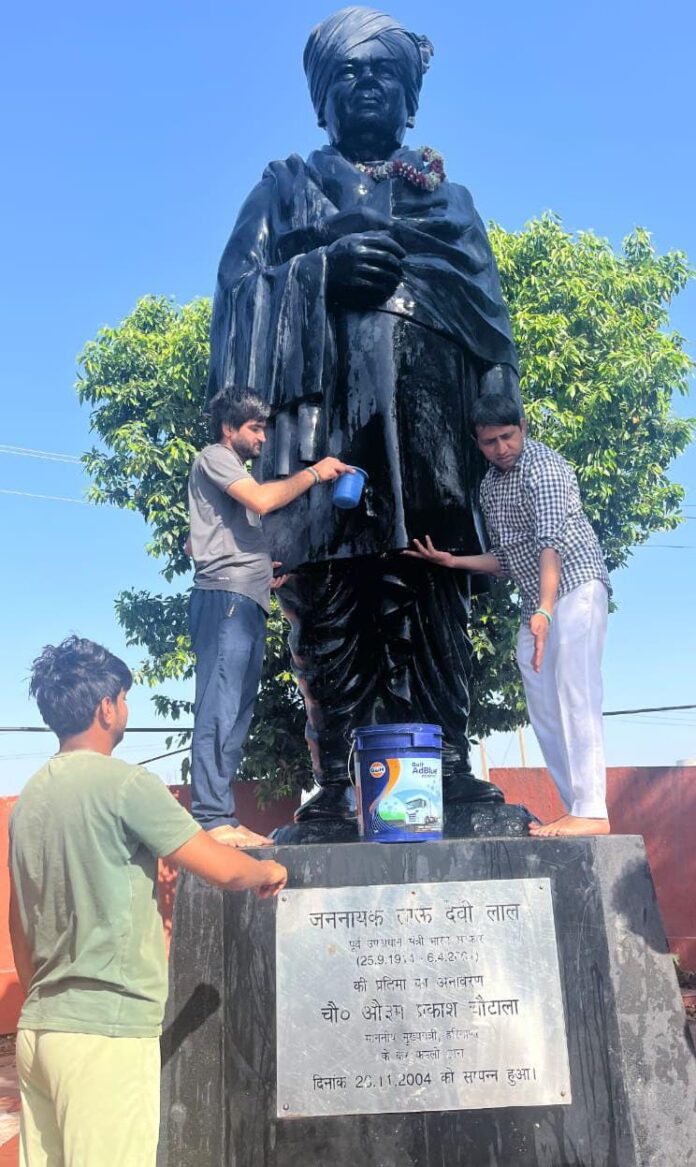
{"x": 569, "y": 825}
{"x": 238, "y": 837}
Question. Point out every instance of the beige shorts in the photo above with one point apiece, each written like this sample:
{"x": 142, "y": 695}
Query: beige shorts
{"x": 88, "y": 1100}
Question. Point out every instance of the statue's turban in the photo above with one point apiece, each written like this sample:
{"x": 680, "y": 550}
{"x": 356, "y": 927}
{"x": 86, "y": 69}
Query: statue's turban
{"x": 336, "y": 37}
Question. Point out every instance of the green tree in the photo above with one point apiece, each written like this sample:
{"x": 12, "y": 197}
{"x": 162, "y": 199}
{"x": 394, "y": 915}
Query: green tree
{"x": 599, "y": 370}
{"x": 146, "y": 380}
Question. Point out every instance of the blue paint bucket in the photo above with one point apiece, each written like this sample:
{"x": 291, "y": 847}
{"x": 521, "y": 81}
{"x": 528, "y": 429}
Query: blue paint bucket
{"x": 347, "y": 490}
{"x": 398, "y": 778}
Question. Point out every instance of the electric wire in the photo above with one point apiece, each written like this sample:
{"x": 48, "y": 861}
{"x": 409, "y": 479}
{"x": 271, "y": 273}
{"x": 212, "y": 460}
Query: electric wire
{"x": 44, "y": 455}
{"x": 634, "y": 714}
{"x": 48, "y": 497}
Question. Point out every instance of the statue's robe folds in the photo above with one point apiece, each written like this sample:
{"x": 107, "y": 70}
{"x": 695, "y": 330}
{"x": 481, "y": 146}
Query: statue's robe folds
{"x": 388, "y": 389}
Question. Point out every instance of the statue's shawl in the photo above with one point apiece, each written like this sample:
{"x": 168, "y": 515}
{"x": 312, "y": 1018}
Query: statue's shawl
{"x": 272, "y": 330}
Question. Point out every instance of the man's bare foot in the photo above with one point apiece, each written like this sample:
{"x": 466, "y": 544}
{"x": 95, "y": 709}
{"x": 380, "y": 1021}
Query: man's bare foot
{"x": 569, "y": 824}
{"x": 238, "y": 837}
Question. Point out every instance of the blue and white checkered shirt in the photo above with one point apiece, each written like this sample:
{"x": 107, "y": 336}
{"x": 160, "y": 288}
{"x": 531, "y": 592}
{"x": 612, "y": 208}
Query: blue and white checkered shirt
{"x": 535, "y": 505}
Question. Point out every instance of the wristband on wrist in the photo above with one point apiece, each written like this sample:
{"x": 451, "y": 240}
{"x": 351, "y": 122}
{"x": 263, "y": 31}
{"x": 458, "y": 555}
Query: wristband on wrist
{"x": 313, "y": 472}
{"x": 543, "y": 612}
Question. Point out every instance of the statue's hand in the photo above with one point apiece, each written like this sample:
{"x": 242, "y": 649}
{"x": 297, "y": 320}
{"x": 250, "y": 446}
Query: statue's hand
{"x": 353, "y": 222}
{"x": 364, "y": 269}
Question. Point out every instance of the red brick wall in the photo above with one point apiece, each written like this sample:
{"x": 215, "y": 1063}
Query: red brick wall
{"x": 657, "y": 802}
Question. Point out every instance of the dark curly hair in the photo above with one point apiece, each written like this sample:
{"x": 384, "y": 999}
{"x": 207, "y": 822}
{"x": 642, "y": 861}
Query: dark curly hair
{"x": 69, "y": 680}
{"x": 234, "y": 407}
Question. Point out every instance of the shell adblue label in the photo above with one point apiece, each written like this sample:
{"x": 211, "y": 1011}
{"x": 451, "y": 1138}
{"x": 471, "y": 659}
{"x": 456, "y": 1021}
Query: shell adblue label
{"x": 408, "y": 805}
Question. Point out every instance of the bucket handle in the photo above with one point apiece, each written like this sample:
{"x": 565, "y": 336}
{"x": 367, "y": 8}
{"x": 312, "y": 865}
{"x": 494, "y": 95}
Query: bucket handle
{"x": 351, "y": 779}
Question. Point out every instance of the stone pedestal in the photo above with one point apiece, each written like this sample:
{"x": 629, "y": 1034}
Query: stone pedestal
{"x": 632, "y": 1062}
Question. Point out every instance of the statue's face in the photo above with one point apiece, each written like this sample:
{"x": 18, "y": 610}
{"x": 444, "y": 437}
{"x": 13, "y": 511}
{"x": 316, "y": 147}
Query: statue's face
{"x": 367, "y": 98}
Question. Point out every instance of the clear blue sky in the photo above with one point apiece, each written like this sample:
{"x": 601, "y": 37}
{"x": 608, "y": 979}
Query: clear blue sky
{"x": 133, "y": 131}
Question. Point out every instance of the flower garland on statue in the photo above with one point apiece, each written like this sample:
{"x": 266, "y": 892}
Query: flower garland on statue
{"x": 427, "y": 177}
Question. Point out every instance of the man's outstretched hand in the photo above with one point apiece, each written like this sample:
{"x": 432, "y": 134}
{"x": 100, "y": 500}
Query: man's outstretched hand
{"x": 238, "y": 837}
{"x": 430, "y": 553}
{"x": 329, "y": 469}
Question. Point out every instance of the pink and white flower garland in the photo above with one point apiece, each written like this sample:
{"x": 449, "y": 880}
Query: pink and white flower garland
{"x": 427, "y": 177}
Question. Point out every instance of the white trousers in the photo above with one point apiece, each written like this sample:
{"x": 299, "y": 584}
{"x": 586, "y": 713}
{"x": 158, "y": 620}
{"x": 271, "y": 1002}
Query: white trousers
{"x": 565, "y": 699}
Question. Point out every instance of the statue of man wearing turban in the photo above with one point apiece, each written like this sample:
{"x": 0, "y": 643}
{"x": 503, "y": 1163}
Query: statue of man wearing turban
{"x": 358, "y": 294}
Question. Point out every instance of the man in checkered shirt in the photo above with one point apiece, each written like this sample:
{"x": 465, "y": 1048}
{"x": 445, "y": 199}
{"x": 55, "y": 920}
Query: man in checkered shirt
{"x": 541, "y": 539}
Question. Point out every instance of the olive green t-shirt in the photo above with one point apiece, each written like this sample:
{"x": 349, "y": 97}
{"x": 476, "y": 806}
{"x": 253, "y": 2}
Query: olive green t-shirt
{"x": 84, "y": 839}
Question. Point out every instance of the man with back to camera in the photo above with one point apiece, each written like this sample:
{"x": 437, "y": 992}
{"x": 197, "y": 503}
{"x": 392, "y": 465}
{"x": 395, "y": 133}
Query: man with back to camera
{"x": 541, "y": 538}
{"x": 231, "y": 597}
{"x": 86, "y": 933}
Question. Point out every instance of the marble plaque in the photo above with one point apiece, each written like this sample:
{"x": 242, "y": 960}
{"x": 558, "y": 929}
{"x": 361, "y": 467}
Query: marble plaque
{"x": 419, "y": 997}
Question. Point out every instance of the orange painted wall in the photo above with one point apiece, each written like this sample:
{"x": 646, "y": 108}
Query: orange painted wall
{"x": 11, "y": 996}
{"x": 656, "y": 802}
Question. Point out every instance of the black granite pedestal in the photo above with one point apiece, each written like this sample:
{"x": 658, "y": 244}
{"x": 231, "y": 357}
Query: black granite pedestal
{"x": 632, "y": 1064}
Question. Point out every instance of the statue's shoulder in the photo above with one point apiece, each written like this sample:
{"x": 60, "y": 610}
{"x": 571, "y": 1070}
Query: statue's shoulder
{"x": 461, "y": 196}
{"x": 284, "y": 168}
{"x": 462, "y": 207}
{"x": 282, "y": 182}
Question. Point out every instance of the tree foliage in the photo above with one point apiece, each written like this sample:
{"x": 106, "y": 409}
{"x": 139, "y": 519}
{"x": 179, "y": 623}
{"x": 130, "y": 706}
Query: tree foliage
{"x": 599, "y": 366}
{"x": 146, "y": 381}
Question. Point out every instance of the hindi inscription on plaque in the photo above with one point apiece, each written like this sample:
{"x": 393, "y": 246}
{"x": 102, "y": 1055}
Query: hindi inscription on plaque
{"x": 408, "y": 997}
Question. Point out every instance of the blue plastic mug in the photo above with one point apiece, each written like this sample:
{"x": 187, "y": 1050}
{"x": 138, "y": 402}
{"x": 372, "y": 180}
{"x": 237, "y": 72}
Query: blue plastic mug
{"x": 347, "y": 490}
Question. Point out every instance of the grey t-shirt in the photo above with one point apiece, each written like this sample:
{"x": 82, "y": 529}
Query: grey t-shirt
{"x": 228, "y": 544}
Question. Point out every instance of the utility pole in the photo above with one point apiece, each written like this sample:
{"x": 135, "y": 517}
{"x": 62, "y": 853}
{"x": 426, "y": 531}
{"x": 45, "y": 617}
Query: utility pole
{"x": 484, "y": 758}
{"x": 523, "y": 745}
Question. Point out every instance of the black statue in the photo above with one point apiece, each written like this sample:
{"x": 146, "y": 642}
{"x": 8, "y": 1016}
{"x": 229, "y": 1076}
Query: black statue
{"x": 358, "y": 294}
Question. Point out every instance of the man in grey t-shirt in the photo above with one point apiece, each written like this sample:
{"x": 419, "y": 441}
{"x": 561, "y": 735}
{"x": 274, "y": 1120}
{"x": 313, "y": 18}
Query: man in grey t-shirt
{"x": 231, "y": 597}
{"x": 227, "y": 539}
